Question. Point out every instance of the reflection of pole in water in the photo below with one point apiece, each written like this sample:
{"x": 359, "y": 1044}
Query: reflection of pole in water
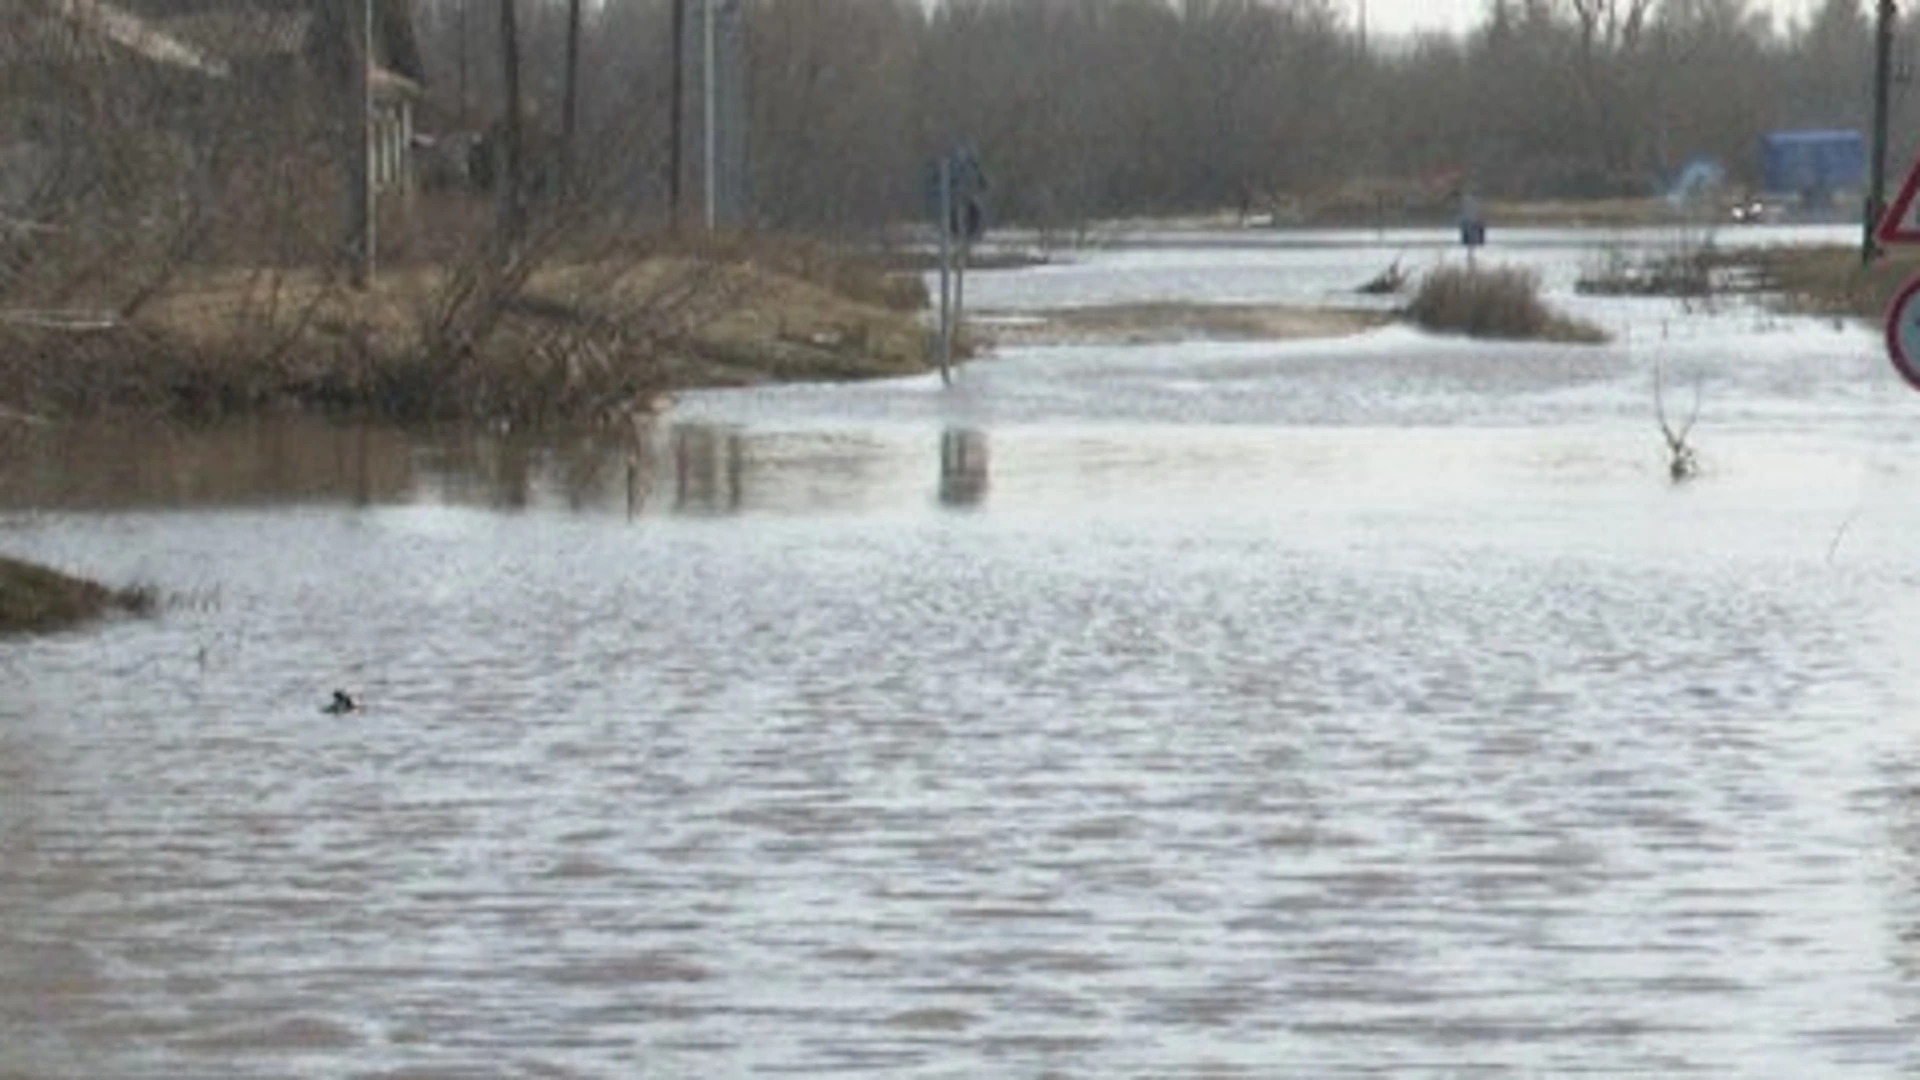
{"x": 512, "y": 469}
{"x": 639, "y": 463}
{"x": 963, "y": 467}
{"x": 735, "y": 467}
{"x": 1904, "y": 811}
{"x": 681, "y": 469}
{"x": 709, "y": 469}
{"x": 362, "y": 467}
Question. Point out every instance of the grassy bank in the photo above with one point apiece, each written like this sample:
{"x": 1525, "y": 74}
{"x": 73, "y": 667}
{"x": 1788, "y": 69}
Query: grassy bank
{"x": 564, "y": 341}
{"x": 35, "y": 598}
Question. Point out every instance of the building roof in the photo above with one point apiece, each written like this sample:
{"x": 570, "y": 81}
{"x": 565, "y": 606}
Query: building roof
{"x": 79, "y": 28}
{"x": 208, "y": 42}
{"x": 391, "y": 84}
{"x": 243, "y": 33}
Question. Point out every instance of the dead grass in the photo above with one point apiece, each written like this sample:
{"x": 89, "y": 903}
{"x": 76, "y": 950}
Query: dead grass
{"x": 581, "y": 339}
{"x": 1155, "y": 323}
{"x": 861, "y": 277}
{"x": 1688, "y": 273}
{"x": 34, "y": 598}
{"x": 1493, "y": 302}
{"x": 1827, "y": 280}
{"x": 1402, "y": 202}
{"x": 1580, "y": 213}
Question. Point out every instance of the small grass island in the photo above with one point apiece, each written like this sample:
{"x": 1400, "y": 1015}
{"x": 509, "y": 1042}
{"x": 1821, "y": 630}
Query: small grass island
{"x": 1494, "y": 302}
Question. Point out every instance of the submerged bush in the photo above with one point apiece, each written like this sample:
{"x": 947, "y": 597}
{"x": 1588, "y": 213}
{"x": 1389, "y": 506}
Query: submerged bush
{"x": 1495, "y": 302}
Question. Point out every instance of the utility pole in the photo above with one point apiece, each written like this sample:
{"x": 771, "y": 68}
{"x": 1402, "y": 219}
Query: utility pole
{"x": 1877, "y": 181}
{"x": 712, "y": 111}
{"x": 570, "y": 108}
{"x": 462, "y": 10}
{"x": 361, "y": 206}
{"x": 676, "y": 113}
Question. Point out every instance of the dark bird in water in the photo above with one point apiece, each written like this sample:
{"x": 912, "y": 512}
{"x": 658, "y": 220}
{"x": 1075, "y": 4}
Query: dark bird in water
{"x": 342, "y": 702}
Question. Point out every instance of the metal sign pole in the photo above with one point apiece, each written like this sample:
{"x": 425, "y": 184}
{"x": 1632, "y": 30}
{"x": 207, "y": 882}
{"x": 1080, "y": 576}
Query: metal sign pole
{"x": 960, "y": 272}
{"x": 946, "y": 270}
{"x": 1877, "y": 178}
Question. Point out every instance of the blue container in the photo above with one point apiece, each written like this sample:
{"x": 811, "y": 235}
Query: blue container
{"x": 1813, "y": 164}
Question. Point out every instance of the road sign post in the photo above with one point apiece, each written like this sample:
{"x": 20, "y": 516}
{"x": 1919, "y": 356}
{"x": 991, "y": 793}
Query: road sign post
{"x": 946, "y": 271}
{"x": 955, "y": 184}
{"x": 1900, "y": 224}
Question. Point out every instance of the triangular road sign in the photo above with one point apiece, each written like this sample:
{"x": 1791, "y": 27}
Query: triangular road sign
{"x": 1899, "y": 224}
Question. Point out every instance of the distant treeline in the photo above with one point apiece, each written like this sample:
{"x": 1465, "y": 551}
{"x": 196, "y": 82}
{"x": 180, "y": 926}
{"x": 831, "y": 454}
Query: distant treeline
{"x": 1077, "y": 109}
{"x": 1082, "y": 109}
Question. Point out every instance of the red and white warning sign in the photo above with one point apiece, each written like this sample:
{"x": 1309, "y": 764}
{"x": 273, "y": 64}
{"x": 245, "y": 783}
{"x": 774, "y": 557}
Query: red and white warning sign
{"x": 1900, "y": 222}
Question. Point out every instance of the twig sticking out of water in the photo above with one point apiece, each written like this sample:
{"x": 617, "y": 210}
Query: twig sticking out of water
{"x": 1682, "y": 464}
{"x": 1839, "y": 535}
{"x": 1386, "y": 282}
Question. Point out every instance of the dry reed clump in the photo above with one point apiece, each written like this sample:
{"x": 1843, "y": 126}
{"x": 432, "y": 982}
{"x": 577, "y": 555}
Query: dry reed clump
{"x": 36, "y": 598}
{"x": 1493, "y": 302}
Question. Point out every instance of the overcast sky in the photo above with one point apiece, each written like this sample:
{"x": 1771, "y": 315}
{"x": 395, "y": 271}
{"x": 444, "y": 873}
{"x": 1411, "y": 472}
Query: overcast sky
{"x": 1457, "y": 16}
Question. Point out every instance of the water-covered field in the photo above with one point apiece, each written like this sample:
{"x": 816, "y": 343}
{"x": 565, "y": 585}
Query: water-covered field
{"x": 1360, "y": 707}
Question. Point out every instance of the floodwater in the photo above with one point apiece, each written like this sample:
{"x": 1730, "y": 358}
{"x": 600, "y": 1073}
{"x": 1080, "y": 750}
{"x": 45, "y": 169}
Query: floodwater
{"x": 1340, "y": 708}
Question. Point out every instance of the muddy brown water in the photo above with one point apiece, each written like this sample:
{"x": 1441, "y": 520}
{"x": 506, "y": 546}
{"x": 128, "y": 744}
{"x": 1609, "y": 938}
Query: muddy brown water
{"x": 1361, "y": 709}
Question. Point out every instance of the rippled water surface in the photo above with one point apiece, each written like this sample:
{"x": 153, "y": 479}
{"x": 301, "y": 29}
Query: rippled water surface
{"x": 1365, "y": 707}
